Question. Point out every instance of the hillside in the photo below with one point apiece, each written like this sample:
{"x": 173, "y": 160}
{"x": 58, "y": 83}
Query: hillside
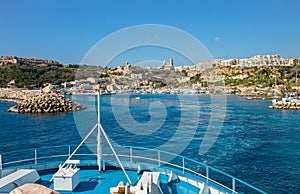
{"x": 34, "y": 76}
{"x": 263, "y": 77}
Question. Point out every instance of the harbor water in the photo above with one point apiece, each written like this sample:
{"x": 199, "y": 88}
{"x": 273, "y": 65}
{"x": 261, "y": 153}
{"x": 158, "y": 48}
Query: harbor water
{"x": 254, "y": 143}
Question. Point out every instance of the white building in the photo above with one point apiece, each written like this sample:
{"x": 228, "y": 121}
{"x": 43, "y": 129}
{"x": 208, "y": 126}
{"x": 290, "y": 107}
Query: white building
{"x": 256, "y": 61}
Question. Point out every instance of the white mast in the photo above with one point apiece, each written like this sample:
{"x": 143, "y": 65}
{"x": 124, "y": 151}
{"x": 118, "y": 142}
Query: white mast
{"x": 99, "y": 137}
{"x": 99, "y": 144}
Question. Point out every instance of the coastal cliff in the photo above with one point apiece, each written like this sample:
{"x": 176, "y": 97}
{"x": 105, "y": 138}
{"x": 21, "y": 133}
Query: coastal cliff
{"x": 32, "y": 101}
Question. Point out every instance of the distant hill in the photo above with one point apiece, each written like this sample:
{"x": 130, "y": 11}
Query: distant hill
{"x": 28, "y": 75}
{"x": 263, "y": 77}
{"x": 35, "y": 76}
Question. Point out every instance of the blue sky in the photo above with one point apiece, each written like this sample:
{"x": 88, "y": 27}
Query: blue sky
{"x": 66, "y": 30}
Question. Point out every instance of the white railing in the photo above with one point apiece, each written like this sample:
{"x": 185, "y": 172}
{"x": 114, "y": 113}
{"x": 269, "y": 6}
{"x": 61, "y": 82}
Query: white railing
{"x": 181, "y": 165}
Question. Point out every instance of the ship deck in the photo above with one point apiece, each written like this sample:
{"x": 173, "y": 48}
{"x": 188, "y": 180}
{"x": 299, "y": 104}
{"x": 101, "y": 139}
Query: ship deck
{"x": 193, "y": 175}
{"x": 92, "y": 181}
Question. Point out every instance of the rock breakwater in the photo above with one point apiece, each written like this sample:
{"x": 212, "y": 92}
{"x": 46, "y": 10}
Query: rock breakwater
{"x": 292, "y": 105}
{"x": 46, "y": 103}
{"x": 32, "y": 101}
{"x": 17, "y": 95}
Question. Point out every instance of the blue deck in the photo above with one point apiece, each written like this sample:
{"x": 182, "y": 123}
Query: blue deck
{"x": 46, "y": 160}
{"x": 91, "y": 181}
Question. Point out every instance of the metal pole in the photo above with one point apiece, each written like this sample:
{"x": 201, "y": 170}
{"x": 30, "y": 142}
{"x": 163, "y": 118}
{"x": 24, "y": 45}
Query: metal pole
{"x": 158, "y": 156}
{"x": 98, "y": 100}
{"x": 207, "y": 173}
{"x": 80, "y": 144}
{"x": 103, "y": 163}
{"x": 183, "y": 167}
{"x": 99, "y": 139}
{"x": 69, "y": 150}
{"x": 233, "y": 185}
{"x": 0, "y": 162}
{"x": 87, "y": 136}
{"x": 35, "y": 156}
{"x": 130, "y": 154}
{"x": 99, "y": 149}
{"x": 115, "y": 154}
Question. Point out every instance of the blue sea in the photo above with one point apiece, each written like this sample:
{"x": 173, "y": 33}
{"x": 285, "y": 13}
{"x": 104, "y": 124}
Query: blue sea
{"x": 243, "y": 138}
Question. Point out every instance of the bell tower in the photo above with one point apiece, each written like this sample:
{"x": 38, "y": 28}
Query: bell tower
{"x": 171, "y": 61}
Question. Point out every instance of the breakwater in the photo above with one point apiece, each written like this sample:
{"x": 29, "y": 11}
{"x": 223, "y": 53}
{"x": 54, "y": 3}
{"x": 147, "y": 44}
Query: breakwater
{"x": 33, "y": 101}
{"x": 286, "y": 105}
{"x": 17, "y": 95}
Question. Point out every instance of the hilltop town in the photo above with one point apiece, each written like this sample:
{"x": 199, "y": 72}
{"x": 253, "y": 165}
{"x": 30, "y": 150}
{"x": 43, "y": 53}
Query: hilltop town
{"x": 261, "y": 75}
